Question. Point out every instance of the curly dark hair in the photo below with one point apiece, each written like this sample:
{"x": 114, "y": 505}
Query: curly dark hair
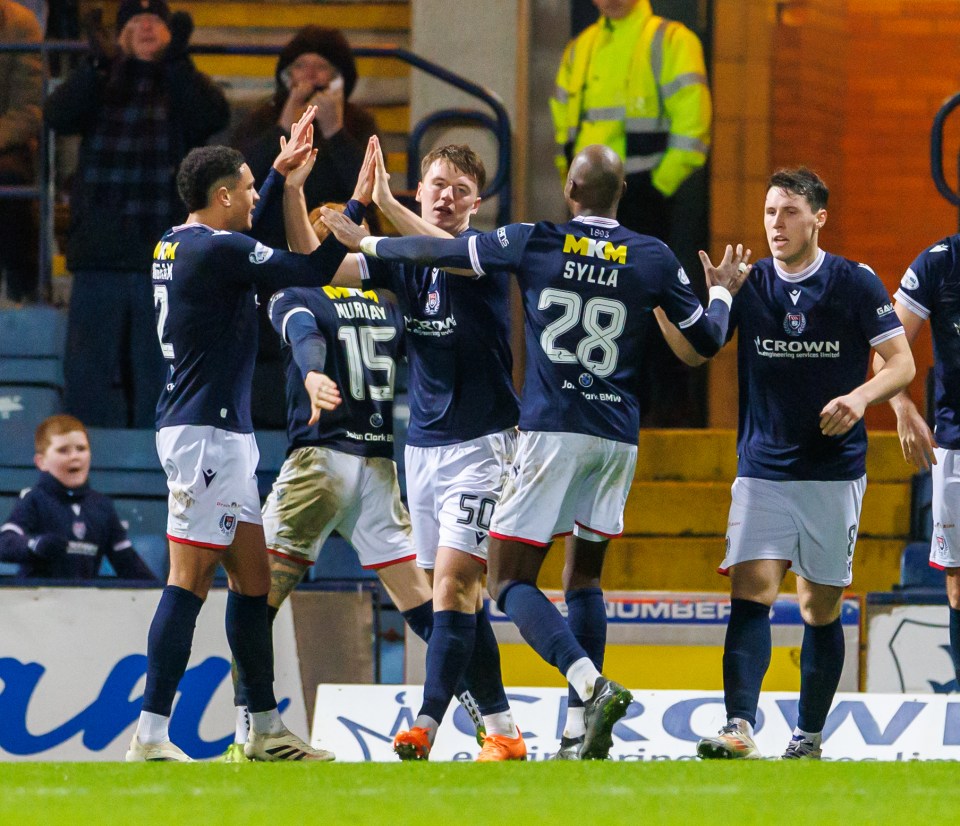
{"x": 201, "y": 169}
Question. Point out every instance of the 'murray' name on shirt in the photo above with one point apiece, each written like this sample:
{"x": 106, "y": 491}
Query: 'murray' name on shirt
{"x": 360, "y": 309}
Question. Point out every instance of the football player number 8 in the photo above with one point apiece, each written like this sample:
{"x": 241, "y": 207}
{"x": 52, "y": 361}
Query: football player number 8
{"x": 160, "y": 298}
{"x": 602, "y": 319}
{"x": 360, "y": 346}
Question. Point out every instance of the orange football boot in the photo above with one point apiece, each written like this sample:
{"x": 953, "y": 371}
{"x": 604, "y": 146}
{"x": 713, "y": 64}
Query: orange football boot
{"x": 499, "y": 747}
{"x": 413, "y": 744}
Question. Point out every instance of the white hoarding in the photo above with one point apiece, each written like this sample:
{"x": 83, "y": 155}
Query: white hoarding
{"x": 358, "y": 723}
{"x": 908, "y": 649}
{"x": 72, "y": 666}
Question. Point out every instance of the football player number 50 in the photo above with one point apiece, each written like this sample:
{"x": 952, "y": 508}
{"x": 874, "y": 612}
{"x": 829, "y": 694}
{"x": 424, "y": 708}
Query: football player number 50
{"x": 162, "y": 303}
{"x": 602, "y": 319}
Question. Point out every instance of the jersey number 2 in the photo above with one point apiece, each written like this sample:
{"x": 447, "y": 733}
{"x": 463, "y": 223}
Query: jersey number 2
{"x": 162, "y": 303}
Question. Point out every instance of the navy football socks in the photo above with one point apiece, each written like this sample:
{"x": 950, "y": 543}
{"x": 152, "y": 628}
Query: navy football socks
{"x": 955, "y": 642}
{"x": 587, "y": 618}
{"x": 746, "y": 657}
{"x": 482, "y": 676}
{"x": 249, "y": 634}
{"x": 821, "y": 663}
{"x": 541, "y": 624}
{"x": 448, "y": 652}
{"x": 168, "y": 647}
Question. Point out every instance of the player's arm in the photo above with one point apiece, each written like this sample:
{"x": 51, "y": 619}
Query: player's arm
{"x": 916, "y": 439}
{"x": 842, "y": 413}
{"x": 696, "y": 336}
{"x": 297, "y": 327}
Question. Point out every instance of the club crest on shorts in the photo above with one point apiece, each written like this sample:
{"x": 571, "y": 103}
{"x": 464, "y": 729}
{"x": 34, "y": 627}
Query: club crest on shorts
{"x": 227, "y": 521}
{"x": 794, "y": 323}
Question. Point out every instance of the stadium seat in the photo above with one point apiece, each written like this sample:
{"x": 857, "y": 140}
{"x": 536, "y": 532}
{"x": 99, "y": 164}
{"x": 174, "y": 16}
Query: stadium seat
{"x": 272, "y": 445}
{"x": 921, "y": 507}
{"x": 33, "y": 332}
{"x": 915, "y": 570}
{"x": 143, "y": 516}
{"x": 125, "y": 463}
{"x": 152, "y": 548}
{"x": 338, "y": 561}
{"x": 22, "y": 408}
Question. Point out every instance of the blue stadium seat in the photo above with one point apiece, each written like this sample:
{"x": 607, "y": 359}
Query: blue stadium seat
{"x": 921, "y": 507}
{"x": 338, "y": 560}
{"x": 143, "y": 516}
{"x": 915, "y": 570}
{"x": 125, "y": 463}
{"x": 47, "y": 372}
{"x": 153, "y": 550}
{"x": 22, "y": 408}
{"x": 273, "y": 450}
{"x": 33, "y": 332}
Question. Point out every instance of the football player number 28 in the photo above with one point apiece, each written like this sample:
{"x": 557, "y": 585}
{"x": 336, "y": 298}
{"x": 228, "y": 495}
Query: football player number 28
{"x": 360, "y": 346}
{"x": 602, "y": 320}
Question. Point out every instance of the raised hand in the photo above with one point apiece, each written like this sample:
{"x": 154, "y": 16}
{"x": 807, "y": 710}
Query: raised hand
{"x": 732, "y": 270}
{"x": 364, "y": 189}
{"x": 348, "y": 233}
{"x": 297, "y": 152}
{"x": 381, "y": 184}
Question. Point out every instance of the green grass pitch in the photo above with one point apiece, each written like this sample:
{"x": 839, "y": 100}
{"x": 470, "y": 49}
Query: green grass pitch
{"x": 590, "y": 794}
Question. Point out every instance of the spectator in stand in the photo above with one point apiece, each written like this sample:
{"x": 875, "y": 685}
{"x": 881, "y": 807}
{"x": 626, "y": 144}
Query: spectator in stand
{"x": 315, "y": 68}
{"x": 140, "y": 105}
{"x": 61, "y": 528}
{"x": 20, "y": 91}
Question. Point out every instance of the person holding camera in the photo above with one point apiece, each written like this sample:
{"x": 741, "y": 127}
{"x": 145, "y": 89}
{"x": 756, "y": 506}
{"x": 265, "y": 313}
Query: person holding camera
{"x": 139, "y": 105}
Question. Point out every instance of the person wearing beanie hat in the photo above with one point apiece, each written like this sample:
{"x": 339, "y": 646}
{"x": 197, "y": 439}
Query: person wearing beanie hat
{"x": 315, "y": 68}
{"x": 139, "y": 105}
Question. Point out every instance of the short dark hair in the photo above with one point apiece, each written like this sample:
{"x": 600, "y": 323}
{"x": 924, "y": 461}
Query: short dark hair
{"x": 803, "y": 182}
{"x": 201, "y": 169}
{"x": 462, "y": 157}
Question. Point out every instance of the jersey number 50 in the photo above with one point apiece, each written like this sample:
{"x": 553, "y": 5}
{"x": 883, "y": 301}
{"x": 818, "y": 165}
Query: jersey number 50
{"x": 602, "y": 319}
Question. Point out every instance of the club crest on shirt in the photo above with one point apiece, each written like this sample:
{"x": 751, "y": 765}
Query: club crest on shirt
{"x": 79, "y": 529}
{"x": 794, "y": 323}
{"x": 260, "y": 254}
{"x": 432, "y": 306}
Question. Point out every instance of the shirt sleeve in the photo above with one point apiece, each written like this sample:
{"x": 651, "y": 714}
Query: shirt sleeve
{"x": 484, "y": 252}
{"x": 878, "y": 320}
{"x": 921, "y": 282}
{"x": 296, "y": 323}
{"x": 17, "y": 530}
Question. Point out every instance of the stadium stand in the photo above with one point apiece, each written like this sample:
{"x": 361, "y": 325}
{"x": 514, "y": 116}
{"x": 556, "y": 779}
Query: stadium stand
{"x": 915, "y": 570}
{"x": 32, "y": 341}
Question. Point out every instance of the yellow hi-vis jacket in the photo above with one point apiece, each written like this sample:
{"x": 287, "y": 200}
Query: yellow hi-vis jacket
{"x": 639, "y": 86}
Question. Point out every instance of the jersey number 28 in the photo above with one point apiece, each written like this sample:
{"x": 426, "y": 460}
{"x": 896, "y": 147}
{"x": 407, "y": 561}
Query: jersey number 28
{"x": 602, "y": 319}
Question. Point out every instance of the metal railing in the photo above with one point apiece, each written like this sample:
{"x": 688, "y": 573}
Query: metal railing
{"x": 936, "y": 152}
{"x": 498, "y": 125}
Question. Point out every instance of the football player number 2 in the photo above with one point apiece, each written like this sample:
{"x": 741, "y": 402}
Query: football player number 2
{"x": 162, "y": 304}
{"x": 602, "y": 320}
{"x": 360, "y": 347}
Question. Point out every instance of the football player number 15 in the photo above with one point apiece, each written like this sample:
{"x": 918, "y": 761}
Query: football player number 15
{"x": 162, "y": 304}
{"x": 602, "y": 320}
{"x": 360, "y": 348}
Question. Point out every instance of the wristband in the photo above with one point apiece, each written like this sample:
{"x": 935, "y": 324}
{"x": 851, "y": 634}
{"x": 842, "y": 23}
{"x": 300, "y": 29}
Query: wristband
{"x": 719, "y": 293}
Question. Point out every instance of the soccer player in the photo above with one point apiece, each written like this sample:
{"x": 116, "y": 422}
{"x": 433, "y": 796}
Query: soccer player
{"x": 588, "y": 287}
{"x": 205, "y": 274}
{"x": 930, "y": 289}
{"x": 807, "y": 320}
{"x": 460, "y": 440}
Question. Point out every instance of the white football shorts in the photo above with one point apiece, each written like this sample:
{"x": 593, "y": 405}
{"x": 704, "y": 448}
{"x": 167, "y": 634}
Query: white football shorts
{"x": 563, "y": 483}
{"x": 452, "y": 491}
{"x": 320, "y": 490}
{"x": 812, "y": 524}
{"x": 945, "y": 478}
{"x": 211, "y": 476}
